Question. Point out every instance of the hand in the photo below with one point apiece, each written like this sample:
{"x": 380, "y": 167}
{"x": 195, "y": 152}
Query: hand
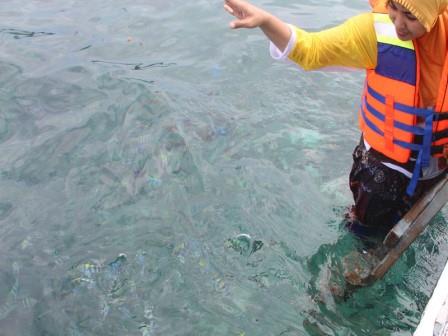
{"x": 248, "y": 16}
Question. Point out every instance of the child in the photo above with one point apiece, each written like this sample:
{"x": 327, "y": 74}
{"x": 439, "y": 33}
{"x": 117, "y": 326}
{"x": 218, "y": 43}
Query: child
{"x": 403, "y": 116}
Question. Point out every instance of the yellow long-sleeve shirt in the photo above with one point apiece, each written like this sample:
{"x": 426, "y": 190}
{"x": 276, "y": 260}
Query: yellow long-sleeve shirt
{"x": 353, "y": 44}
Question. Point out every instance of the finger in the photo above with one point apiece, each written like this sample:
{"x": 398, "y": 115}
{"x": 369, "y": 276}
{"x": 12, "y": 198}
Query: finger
{"x": 229, "y": 3}
{"x": 228, "y": 9}
{"x": 241, "y": 24}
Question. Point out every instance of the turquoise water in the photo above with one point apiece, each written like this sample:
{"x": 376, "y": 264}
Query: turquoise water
{"x": 161, "y": 175}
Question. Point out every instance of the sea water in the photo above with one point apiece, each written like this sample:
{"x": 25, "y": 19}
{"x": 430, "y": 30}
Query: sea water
{"x": 160, "y": 174}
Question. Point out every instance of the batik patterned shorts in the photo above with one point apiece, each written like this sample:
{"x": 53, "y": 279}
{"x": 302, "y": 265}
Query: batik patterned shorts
{"x": 379, "y": 193}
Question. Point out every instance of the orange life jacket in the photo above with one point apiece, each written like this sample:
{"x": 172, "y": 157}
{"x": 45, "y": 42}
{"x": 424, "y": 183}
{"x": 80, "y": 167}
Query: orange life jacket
{"x": 389, "y": 116}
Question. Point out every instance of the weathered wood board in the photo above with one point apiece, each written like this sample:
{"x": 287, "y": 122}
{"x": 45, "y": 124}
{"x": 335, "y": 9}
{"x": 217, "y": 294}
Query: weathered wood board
{"x": 406, "y": 231}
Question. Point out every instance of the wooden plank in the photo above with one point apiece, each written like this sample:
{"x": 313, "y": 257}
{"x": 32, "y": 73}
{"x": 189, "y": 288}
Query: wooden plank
{"x": 406, "y": 231}
{"x": 403, "y": 225}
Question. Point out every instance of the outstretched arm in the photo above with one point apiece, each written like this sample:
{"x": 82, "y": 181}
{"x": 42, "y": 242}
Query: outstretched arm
{"x": 250, "y": 16}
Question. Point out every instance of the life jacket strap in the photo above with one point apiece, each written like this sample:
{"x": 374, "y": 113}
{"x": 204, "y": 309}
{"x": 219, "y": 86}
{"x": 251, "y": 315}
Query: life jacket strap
{"x": 424, "y": 155}
{"x": 440, "y": 149}
{"x": 424, "y": 149}
{"x": 441, "y": 116}
{"x": 425, "y": 132}
{"x": 419, "y": 112}
{"x": 380, "y": 116}
{"x": 440, "y": 135}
